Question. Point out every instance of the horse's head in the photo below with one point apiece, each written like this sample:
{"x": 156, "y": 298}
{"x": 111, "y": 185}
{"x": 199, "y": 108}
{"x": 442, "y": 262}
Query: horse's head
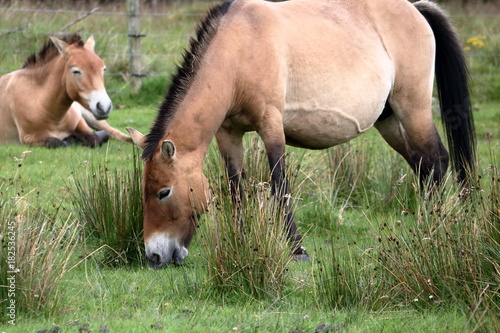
{"x": 174, "y": 195}
{"x": 84, "y": 76}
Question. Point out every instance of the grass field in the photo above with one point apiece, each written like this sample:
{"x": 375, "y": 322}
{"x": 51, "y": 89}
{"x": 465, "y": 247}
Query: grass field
{"x": 385, "y": 256}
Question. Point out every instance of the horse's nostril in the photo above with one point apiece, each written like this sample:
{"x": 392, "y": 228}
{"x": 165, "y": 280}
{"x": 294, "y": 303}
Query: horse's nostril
{"x": 154, "y": 259}
{"x": 102, "y": 110}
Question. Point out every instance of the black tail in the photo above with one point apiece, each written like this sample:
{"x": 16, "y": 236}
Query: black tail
{"x": 452, "y": 82}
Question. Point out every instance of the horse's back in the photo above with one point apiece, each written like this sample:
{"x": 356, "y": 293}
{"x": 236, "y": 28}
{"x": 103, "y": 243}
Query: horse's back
{"x": 334, "y": 63}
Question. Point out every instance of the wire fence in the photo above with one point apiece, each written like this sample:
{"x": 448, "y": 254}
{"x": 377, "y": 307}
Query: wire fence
{"x": 29, "y": 29}
{"x": 116, "y": 50}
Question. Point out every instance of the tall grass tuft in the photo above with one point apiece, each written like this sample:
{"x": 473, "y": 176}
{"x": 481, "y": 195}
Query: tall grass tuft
{"x": 343, "y": 277}
{"x": 36, "y": 251}
{"x": 438, "y": 248}
{"x": 444, "y": 253}
{"x": 245, "y": 246}
{"x": 108, "y": 204}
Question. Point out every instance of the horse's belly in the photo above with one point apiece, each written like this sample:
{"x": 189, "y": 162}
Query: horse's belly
{"x": 320, "y": 128}
{"x": 334, "y": 105}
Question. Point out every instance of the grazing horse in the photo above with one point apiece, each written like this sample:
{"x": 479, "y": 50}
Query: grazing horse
{"x": 309, "y": 73}
{"x": 36, "y": 100}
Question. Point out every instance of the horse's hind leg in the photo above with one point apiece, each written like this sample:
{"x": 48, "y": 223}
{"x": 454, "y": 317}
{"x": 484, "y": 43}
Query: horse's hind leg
{"x": 417, "y": 140}
{"x": 42, "y": 139}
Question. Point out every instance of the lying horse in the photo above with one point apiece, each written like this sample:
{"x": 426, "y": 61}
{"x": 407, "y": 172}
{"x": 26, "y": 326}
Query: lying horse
{"x": 36, "y": 99}
{"x": 310, "y": 73}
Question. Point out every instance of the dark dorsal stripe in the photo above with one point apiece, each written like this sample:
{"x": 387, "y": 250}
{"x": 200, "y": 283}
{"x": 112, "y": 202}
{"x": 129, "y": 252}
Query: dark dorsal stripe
{"x": 185, "y": 75}
{"x": 49, "y": 51}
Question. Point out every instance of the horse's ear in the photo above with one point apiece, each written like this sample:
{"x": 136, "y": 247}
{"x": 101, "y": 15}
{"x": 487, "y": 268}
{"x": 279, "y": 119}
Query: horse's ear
{"x": 137, "y": 137}
{"x": 90, "y": 43}
{"x": 168, "y": 150}
{"x": 60, "y": 45}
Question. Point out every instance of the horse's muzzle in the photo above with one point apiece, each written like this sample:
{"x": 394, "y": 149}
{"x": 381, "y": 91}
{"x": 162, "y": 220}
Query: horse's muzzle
{"x": 100, "y": 104}
{"x": 161, "y": 251}
{"x": 102, "y": 111}
{"x": 157, "y": 261}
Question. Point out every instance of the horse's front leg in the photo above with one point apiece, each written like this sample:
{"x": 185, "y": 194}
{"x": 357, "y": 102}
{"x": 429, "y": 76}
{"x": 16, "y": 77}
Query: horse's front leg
{"x": 274, "y": 141}
{"x": 231, "y": 148}
{"x": 87, "y": 136}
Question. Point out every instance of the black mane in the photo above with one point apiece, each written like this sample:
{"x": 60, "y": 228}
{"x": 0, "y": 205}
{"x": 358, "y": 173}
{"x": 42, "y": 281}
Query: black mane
{"x": 185, "y": 75}
{"x": 49, "y": 51}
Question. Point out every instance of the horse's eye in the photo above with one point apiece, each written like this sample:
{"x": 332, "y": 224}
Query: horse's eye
{"x": 104, "y": 69}
{"x": 76, "y": 72}
{"x": 164, "y": 193}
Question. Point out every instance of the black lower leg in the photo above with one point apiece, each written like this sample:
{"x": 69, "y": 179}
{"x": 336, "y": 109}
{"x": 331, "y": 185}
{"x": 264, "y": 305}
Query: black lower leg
{"x": 281, "y": 190}
{"x": 431, "y": 167}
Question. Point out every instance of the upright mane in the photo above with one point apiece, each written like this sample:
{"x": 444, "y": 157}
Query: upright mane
{"x": 49, "y": 51}
{"x": 185, "y": 75}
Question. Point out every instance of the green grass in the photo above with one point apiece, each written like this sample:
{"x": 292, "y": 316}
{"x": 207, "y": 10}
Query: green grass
{"x": 95, "y": 294}
{"x": 350, "y": 202}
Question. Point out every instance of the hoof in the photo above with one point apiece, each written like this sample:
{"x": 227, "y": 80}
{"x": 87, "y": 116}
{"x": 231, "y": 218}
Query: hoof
{"x": 300, "y": 254}
{"x": 52, "y": 142}
{"x": 103, "y": 136}
{"x": 70, "y": 140}
{"x": 96, "y": 139}
{"x": 301, "y": 257}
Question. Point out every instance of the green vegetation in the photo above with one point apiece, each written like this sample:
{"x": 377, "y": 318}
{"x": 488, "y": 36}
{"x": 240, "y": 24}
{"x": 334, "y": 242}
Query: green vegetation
{"x": 385, "y": 254}
{"x": 109, "y": 203}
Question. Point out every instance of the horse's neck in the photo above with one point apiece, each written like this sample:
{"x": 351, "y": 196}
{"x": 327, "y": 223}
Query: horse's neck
{"x": 51, "y": 93}
{"x": 201, "y": 112}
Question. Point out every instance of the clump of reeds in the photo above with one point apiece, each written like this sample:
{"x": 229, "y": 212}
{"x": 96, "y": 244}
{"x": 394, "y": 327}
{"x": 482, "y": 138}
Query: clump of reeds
{"x": 440, "y": 248}
{"x": 36, "y": 251}
{"x": 108, "y": 204}
{"x": 245, "y": 244}
{"x": 443, "y": 253}
{"x": 342, "y": 276}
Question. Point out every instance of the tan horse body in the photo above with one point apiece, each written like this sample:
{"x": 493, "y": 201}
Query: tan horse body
{"x": 308, "y": 73}
{"x": 36, "y": 99}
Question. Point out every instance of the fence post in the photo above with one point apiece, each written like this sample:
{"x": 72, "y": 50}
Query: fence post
{"x": 134, "y": 44}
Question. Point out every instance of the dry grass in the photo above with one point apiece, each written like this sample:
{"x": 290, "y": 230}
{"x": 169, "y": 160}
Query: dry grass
{"x": 42, "y": 249}
{"x": 439, "y": 249}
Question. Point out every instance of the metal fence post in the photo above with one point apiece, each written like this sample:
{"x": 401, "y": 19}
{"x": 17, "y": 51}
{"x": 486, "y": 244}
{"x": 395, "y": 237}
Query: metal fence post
{"x": 134, "y": 44}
